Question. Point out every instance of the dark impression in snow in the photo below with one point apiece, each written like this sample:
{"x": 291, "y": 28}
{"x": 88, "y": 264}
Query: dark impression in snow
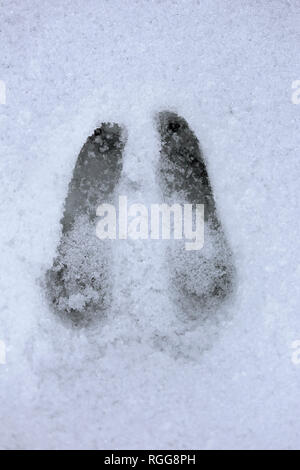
{"x": 79, "y": 282}
{"x": 205, "y": 278}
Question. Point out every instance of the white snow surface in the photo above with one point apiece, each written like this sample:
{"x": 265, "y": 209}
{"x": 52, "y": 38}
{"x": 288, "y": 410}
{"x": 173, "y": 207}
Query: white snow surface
{"x": 145, "y": 377}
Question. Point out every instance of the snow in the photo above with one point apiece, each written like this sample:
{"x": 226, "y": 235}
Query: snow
{"x": 144, "y": 377}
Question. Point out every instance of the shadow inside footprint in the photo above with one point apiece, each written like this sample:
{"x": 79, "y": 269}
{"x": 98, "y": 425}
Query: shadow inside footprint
{"x": 205, "y": 278}
{"x": 79, "y": 283}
